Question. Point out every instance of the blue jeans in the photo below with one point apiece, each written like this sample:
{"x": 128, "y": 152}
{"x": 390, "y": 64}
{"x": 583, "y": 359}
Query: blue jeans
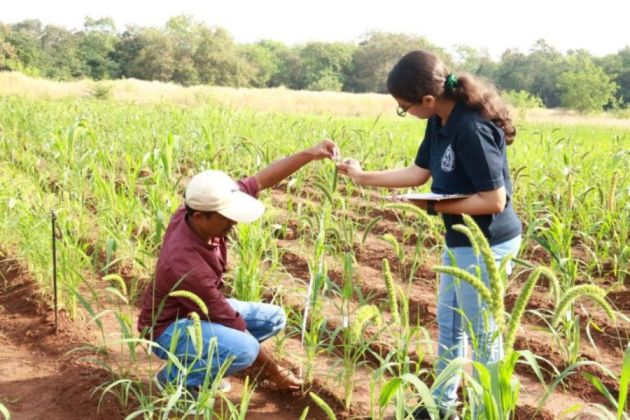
{"x": 263, "y": 321}
{"x": 461, "y": 313}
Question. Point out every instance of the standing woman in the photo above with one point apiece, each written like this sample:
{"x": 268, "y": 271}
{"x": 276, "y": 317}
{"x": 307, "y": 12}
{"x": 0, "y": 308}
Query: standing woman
{"x": 463, "y": 152}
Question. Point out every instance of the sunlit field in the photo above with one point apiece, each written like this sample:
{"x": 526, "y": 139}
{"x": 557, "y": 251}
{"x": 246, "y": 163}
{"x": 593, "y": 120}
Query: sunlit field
{"x": 114, "y": 169}
{"x": 276, "y": 100}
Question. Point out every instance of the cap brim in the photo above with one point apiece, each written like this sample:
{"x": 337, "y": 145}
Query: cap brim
{"x": 243, "y": 208}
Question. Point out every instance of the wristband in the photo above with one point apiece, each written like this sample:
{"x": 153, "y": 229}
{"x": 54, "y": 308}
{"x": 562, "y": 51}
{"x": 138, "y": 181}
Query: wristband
{"x": 431, "y": 208}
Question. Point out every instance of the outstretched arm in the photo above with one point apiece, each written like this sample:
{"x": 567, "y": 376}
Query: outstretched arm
{"x": 280, "y": 169}
{"x": 412, "y": 176}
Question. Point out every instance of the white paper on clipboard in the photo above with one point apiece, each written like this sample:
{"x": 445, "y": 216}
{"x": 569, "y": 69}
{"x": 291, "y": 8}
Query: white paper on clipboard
{"x": 424, "y": 196}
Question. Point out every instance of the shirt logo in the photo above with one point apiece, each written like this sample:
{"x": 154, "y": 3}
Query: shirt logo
{"x": 448, "y": 160}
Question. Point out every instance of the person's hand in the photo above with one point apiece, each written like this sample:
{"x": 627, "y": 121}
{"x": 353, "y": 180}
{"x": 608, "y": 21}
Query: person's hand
{"x": 420, "y": 203}
{"x": 350, "y": 167}
{"x": 326, "y": 149}
{"x": 284, "y": 379}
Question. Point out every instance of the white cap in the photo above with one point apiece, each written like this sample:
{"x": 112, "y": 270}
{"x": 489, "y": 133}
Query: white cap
{"x": 215, "y": 191}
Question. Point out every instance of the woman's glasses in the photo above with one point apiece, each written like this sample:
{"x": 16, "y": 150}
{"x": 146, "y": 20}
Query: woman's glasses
{"x": 402, "y": 111}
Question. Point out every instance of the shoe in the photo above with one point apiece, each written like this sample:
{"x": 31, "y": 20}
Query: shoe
{"x": 421, "y": 413}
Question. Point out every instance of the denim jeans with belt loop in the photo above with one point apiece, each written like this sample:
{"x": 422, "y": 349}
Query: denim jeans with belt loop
{"x": 263, "y": 321}
{"x": 462, "y": 314}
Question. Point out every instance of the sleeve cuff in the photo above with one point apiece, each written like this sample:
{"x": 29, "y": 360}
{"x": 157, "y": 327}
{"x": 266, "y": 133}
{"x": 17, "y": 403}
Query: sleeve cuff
{"x": 249, "y": 186}
{"x": 493, "y": 184}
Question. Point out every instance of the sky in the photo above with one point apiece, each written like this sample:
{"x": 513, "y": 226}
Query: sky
{"x": 600, "y": 27}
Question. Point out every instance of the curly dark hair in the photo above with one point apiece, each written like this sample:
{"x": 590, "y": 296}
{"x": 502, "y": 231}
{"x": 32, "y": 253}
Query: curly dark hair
{"x": 419, "y": 73}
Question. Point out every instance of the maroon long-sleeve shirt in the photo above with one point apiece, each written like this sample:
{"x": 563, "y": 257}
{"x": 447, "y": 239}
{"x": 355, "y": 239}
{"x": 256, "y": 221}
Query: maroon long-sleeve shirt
{"x": 187, "y": 263}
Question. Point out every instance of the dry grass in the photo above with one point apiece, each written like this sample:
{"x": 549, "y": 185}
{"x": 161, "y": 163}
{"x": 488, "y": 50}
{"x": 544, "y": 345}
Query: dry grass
{"x": 12, "y": 83}
{"x": 570, "y": 117}
{"x": 307, "y": 103}
{"x": 283, "y": 100}
{"x": 276, "y": 99}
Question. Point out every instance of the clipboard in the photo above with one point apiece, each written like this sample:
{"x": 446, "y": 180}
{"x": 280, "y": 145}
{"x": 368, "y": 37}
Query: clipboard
{"x": 425, "y": 196}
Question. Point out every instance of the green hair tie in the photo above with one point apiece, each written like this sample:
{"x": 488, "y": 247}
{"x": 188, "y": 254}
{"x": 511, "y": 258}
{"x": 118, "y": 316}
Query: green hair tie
{"x": 451, "y": 82}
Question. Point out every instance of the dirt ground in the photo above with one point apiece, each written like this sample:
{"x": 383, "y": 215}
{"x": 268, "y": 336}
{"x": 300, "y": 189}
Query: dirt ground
{"x": 43, "y": 375}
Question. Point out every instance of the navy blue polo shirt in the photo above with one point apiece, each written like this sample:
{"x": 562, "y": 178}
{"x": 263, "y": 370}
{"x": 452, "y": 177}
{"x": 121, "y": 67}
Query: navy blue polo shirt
{"x": 466, "y": 156}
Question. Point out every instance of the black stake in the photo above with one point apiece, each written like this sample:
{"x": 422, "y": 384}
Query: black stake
{"x": 53, "y": 217}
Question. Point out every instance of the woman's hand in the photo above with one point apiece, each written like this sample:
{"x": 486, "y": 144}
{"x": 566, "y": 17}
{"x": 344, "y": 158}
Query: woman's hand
{"x": 352, "y": 168}
{"x": 420, "y": 203}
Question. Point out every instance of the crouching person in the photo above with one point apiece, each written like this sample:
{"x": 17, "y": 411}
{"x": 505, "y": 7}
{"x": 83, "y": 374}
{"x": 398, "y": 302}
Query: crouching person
{"x": 193, "y": 259}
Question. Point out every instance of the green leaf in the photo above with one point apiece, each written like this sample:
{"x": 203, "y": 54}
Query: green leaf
{"x": 322, "y": 404}
{"x": 114, "y": 291}
{"x": 571, "y": 369}
{"x": 489, "y": 395}
{"x": 453, "y": 369}
{"x": 423, "y": 391}
{"x": 532, "y": 361}
{"x": 304, "y": 413}
{"x": 173, "y": 399}
{"x": 369, "y": 228}
{"x": 594, "y": 380}
{"x": 88, "y": 307}
{"x": 624, "y": 381}
{"x": 323, "y": 188}
{"x": 389, "y": 390}
{"x": 5, "y": 412}
{"x": 572, "y": 409}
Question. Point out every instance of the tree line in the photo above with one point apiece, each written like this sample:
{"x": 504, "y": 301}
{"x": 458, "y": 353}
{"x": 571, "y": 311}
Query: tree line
{"x": 188, "y": 52}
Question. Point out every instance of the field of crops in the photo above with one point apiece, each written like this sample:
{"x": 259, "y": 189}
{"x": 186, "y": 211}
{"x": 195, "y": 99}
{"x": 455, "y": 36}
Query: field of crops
{"x": 114, "y": 172}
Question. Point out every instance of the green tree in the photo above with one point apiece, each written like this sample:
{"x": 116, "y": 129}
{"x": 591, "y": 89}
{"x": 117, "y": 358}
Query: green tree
{"x": 291, "y": 70}
{"x": 60, "y": 54}
{"x": 8, "y": 56}
{"x": 325, "y": 65}
{"x": 190, "y": 52}
{"x": 622, "y": 77}
{"x": 547, "y": 64}
{"x": 153, "y": 58}
{"x": 184, "y": 36}
{"x": 523, "y": 101}
{"x": 376, "y": 55}
{"x": 617, "y": 67}
{"x": 473, "y": 61}
{"x": 25, "y": 39}
{"x": 280, "y": 53}
{"x": 126, "y": 50}
{"x": 217, "y": 59}
{"x": 513, "y": 72}
{"x": 263, "y": 61}
{"x": 536, "y": 72}
{"x": 585, "y": 87}
{"x": 97, "y": 46}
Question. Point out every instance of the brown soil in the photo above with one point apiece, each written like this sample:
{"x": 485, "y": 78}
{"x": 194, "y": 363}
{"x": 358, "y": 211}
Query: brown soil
{"x": 40, "y": 379}
{"x": 559, "y": 401}
{"x": 620, "y": 299}
{"x": 526, "y": 412}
